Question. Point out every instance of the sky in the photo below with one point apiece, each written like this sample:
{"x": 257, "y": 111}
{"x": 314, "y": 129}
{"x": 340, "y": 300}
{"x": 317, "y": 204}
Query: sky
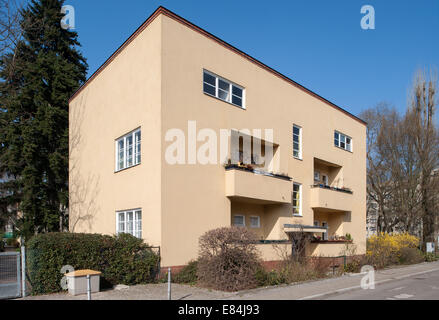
{"x": 319, "y": 44}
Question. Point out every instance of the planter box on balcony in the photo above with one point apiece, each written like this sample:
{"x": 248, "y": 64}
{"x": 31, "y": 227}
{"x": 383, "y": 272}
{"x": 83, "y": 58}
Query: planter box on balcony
{"x": 331, "y": 241}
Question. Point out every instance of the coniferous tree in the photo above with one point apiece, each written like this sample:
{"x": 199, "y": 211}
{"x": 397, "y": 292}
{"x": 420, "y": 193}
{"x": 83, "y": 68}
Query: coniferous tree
{"x": 38, "y": 78}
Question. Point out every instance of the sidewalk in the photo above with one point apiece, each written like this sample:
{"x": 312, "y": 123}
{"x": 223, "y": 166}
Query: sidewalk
{"x": 308, "y": 290}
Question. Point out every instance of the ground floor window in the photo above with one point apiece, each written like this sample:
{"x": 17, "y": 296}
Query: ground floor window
{"x": 255, "y": 222}
{"x": 239, "y": 220}
{"x": 129, "y": 221}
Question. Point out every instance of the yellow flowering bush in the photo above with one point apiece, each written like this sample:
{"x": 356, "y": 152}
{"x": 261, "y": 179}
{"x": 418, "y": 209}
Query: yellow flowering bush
{"x": 385, "y": 249}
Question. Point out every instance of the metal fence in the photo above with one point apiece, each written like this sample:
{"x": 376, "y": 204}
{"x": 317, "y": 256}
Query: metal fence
{"x": 156, "y": 250}
{"x": 10, "y": 275}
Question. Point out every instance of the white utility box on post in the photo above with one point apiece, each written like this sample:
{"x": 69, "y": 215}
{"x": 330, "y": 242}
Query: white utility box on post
{"x": 77, "y": 281}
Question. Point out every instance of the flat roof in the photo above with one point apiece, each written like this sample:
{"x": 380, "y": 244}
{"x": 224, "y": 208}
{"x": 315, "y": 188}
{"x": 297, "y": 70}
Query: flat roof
{"x": 174, "y": 16}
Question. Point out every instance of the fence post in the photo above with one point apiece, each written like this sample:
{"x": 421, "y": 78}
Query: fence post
{"x": 18, "y": 274}
{"x": 23, "y": 271}
{"x": 88, "y": 288}
{"x": 169, "y": 283}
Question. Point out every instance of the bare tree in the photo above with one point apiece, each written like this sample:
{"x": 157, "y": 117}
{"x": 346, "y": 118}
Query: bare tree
{"x": 379, "y": 175}
{"x": 403, "y": 162}
{"x": 10, "y": 30}
{"x": 421, "y": 116}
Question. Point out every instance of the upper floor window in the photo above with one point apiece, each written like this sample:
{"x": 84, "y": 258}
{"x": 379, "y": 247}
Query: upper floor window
{"x": 128, "y": 150}
{"x": 342, "y": 141}
{"x": 129, "y": 222}
{"x": 223, "y": 89}
{"x": 297, "y": 199}
{"x": 297, "y": 142}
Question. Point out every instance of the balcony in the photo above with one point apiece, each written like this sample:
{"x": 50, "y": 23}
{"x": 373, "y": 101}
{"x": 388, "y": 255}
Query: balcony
{"x": 252, "y": 185}
{"x": 326, "y": 198}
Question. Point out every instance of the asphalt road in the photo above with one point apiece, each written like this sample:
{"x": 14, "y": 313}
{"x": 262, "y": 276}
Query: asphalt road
{"x": 418, "y": 287}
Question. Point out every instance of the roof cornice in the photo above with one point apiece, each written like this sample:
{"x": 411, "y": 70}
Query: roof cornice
{"x": 174, "y": 16}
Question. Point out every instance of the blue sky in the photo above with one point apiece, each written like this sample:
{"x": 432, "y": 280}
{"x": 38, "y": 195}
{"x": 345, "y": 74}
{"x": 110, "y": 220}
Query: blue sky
{"x": 319, "y": 44}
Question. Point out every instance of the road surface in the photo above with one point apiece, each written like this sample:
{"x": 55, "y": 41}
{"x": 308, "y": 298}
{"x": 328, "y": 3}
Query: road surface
{"x": 417, "y": 287}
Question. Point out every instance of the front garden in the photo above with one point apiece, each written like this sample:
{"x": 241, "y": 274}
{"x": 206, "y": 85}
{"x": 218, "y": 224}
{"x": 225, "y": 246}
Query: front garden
{"x": 228, "y": 260}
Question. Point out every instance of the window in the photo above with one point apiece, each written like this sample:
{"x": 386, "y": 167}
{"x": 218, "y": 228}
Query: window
{"x": 128, "y": 150}
{"x": 255, "y": 222}
{"x": 297, "y": 198}
{"x": 297, "y": 142}
{"x": 325, "y": 180}
{"x": 325, "y": 234}
{"x": 316, "y": 176}
{"x": 316, "y": 223}
{"x": 129, "y": 222}
{"x": 239, "y": 221}
{"x": 223, "y": 89}
{"x": 342, "y": 141}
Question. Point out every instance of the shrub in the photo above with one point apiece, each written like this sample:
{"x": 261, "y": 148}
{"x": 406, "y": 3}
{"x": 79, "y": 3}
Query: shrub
{"x": 385, "y": 249}
{"x": 430, "y": 257}
{"x": 188, "y": 274}
{"x": 121, "y": 259}
{"x": 355, "y": 263}
{"x": 228, "y": 259}
{"x": 293, "y": 270}
{"x": 320, "y": 266}
{"x": 410, "y": 256}
{"x": 270, "y": 278}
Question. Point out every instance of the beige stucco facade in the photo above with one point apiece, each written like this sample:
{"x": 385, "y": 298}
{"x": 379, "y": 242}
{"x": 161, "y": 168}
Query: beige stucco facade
{"x": 155, "y": 83}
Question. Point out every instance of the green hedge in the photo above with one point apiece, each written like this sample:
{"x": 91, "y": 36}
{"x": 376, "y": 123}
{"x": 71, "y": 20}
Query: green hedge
{"x": 122, "y": 259}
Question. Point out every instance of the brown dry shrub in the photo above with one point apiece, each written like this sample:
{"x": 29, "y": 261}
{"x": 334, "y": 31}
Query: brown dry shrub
{"x": 320, "y": 266}
{"x": 228, "y": 259}
{"x": 410, "y": 256}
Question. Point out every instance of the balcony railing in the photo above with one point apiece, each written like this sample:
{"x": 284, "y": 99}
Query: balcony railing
{"x": 323, "y": 186}
{"x": 249, "y": 168}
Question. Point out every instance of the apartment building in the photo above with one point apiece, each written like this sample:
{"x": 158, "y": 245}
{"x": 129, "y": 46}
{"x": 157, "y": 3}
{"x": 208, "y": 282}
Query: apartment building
{"x": 172, "y": 79}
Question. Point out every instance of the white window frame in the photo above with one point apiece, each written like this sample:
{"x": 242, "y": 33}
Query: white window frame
{"x": 300, "y": 200}
{"x": 258, "y": 225}
{"x": 136, "y": 153}
{"x": 136, "y": 231}
{"x": 243, "y": 220}
{"x": 231, "y": 85}
{"x": 299, "y": 152}
{"x": 342, "y": 138}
